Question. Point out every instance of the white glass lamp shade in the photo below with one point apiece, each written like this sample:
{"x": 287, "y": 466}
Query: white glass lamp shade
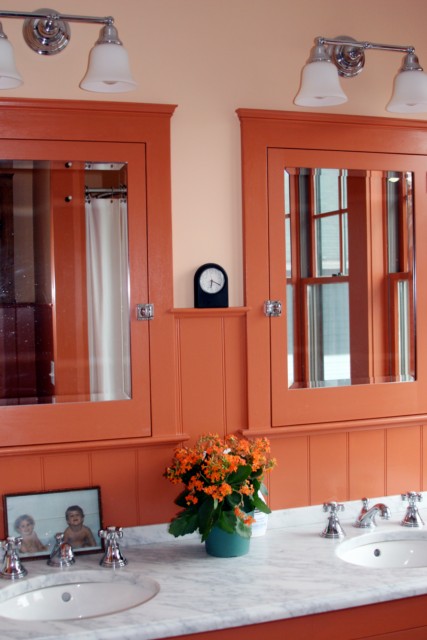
{"x": 320, "y": 86}
{"x": 9, "y": 74}
{"x": 108, "y": 70}
{"x": 410, "y": 93}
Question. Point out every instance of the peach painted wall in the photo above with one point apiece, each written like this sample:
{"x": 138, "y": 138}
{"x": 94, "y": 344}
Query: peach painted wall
{"x": 210, "y": 57}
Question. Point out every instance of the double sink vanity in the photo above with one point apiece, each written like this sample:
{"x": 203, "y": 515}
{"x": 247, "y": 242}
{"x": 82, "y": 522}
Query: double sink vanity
{"x": 171, "y": 587}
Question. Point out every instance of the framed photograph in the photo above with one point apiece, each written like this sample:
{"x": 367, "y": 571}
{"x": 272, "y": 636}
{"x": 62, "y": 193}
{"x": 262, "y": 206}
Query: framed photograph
{"x": 38, "y": 517}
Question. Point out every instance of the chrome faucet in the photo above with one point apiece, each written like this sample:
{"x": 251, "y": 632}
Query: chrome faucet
{"x": 62, "y": 553}
{"x": 12, "y": 568}
{"x": 366, "y": 518}
{"x": 412, "y": 517}
{"x": 113, "y": 557}
{"x": 333, "y": 529}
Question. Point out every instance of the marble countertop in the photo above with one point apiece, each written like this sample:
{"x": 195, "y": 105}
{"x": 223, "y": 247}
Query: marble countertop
{"x": 290, "y": 571}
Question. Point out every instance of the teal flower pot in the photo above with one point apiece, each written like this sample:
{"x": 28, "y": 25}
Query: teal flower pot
{"x": 222, "y": 544}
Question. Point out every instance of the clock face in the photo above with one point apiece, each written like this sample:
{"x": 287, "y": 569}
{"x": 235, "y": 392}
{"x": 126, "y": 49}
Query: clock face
{"x": 212, "y": 280}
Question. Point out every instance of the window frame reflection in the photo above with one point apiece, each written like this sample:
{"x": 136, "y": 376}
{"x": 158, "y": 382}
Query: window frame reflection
{"x": 307, "y": 217}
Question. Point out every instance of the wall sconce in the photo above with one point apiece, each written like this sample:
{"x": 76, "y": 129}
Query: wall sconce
{"x": 47, "y": 32}
{"x": 343, "y": 56}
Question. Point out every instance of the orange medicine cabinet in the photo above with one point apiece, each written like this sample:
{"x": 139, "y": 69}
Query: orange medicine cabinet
{"x": 334, "y": 210}
{"x": 62, "y": 134}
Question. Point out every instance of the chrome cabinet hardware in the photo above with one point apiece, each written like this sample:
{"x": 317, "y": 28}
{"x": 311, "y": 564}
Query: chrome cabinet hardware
{"x": 273, "y": 308}
{"x": 145, "y": 311}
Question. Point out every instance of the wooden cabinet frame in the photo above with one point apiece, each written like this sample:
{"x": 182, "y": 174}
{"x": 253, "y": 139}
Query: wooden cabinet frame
{"x": 265, "y": 136}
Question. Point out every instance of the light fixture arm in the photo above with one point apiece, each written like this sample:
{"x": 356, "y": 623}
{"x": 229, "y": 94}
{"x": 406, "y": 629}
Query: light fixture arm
{"x": 48, "y": 14}
{"x": 349, "y": 42}
{"x": 348, "y": 54}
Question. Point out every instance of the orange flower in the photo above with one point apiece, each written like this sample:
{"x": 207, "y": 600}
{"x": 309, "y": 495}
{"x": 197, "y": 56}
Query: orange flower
{"x": 195, "y": 484}
{"x": 218, "y": 492}
{"x": 208, "y": 471}
{"x": 246, "y": 490}
{"x": 244, "y": 517}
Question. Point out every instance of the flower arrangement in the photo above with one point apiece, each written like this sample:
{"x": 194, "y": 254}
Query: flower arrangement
{"x": 222, "y": 480}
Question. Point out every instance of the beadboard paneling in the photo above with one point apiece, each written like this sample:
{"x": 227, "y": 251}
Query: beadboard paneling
{"x": 367, "y": 457}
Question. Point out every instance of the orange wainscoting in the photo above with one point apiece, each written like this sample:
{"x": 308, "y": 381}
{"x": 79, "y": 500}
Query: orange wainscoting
{"x": 314, "y": 465}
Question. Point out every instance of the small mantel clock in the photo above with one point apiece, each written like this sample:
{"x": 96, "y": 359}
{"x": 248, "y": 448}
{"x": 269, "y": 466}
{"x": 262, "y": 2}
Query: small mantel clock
{"x": 210, "y": 286}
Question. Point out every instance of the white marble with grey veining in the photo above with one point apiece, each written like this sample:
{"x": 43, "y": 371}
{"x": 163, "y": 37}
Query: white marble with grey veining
{"x": 291, "y": 571}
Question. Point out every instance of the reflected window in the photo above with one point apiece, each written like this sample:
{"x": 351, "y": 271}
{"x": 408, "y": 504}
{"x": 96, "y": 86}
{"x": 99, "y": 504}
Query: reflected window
{"x": 349, "y": 274}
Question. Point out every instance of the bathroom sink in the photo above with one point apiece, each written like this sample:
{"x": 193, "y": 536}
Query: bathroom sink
{"x": 75, "y": 595}
{"x": 404, "y": 549}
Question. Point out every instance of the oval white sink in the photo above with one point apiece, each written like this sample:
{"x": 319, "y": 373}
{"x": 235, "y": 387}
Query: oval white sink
{"x": 76, "y": 595}
{"x": 404, "y": 549}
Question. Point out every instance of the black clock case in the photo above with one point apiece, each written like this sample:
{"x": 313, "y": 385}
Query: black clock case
{"x": 204, "y": 300}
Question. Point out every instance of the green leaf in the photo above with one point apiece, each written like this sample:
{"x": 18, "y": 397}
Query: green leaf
{"x": 243, "y": 529}
{"x": 240, "y": 475}
{"x": 260, "y": 504}
{"x": 185, "y": 522}
{"x": 263, "y": 489}
{"x": 233, "y": 499}
{"x": 256, "y": 484}
{"x": 206, "y": 513}
{"x": 248, "y": 504}
{"x": 227, "y": 521}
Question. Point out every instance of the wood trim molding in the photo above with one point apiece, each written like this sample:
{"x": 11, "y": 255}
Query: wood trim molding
{"x": 210, "y": 313}
{"x": 94, "y": 445}
{"x": 339, "y": 427}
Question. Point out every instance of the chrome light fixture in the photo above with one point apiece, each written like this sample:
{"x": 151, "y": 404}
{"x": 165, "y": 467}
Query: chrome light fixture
{"x": 47, "y": 32}
{"x": 345, "y": 57}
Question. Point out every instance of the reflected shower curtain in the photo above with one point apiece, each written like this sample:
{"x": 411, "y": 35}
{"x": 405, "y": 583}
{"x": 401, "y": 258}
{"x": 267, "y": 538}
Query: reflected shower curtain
{"x": 108, "y": 300}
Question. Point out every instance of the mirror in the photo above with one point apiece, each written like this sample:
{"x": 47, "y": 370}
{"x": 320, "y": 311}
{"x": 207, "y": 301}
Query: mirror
{"x": 349, "y": 265}
{"x": 64, "y": 282}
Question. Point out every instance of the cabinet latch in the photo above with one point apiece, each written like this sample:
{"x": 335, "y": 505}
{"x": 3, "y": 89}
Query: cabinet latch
{"x": 273, "y": 308}
{"x": 145, "y": 311}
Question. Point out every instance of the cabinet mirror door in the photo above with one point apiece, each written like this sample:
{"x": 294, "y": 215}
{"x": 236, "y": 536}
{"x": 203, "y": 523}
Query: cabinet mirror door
{"x": 342, "y": 238}
{"x": 64, "y": 274}
{"x": 73, "y": 268}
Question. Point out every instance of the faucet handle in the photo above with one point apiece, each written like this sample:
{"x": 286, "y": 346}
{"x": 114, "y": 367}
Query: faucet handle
{"x": 111, "y": 533}
{"x": 12, "y": 568}
{"x": 113, "y": 556}
{"x": 333, "y": 507}
{"x": 412, "y": 517}
{"x": 11, "y": 543}
{"x": 412, "y": 497}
